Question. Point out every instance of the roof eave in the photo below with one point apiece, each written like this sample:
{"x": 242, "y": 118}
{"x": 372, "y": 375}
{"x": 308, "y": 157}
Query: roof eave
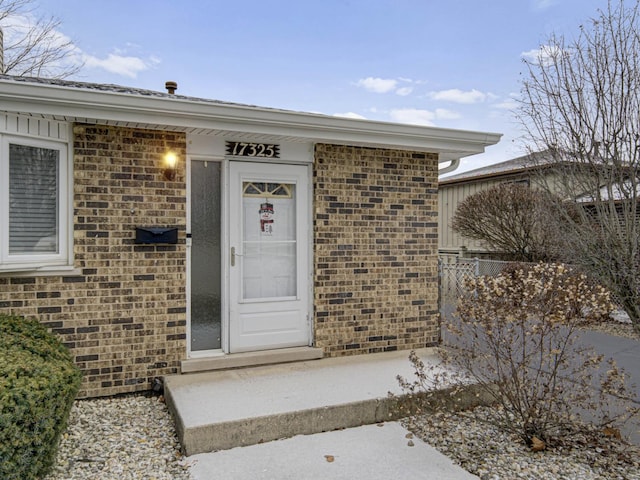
{"x": 486, "y": 176}
{"x": 77, "y": 103}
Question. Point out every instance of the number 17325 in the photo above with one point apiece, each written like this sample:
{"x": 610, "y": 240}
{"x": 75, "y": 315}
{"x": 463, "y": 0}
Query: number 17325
{"x": 245, "y": 149}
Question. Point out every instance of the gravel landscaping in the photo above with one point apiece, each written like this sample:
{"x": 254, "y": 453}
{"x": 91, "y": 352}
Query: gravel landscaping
{"x": 133, "y": 437}
{"x": 483, "y": 450}
{"x": 123, "y": 438}
{"x": 479, "y": 447}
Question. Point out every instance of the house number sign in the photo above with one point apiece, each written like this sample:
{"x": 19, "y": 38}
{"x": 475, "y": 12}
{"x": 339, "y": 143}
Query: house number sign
{"x": 261, "y": 150}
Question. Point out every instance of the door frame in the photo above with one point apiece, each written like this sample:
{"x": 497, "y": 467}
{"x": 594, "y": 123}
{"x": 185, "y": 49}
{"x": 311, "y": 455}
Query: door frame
{"x": 225, "y": 162}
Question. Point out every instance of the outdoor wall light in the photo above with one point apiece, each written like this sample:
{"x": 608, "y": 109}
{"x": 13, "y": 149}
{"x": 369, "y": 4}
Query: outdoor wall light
{"x": 170, "y": 162}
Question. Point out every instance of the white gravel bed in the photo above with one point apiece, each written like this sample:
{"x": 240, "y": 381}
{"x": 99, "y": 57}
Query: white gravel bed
{"x": 483, "y": 450}
{"x": 123, "y": 438}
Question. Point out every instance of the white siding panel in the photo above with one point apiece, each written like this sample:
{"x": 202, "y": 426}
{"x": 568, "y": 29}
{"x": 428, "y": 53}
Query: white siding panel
{"x": 34, "y": 126}
{"x": 449, "y": 197}
{"x": 22, "y": 125}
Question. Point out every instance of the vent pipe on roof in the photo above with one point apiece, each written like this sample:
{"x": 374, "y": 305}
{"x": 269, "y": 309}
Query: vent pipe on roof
{"x": 171, "y": 87}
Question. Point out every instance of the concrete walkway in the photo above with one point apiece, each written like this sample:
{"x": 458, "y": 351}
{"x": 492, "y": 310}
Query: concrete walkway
{"x": 372, "y": 452}
{"x": 266, "y": 422}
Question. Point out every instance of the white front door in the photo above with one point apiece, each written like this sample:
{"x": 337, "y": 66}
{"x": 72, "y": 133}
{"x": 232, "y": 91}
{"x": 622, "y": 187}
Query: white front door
{"x": 269, "y": 257}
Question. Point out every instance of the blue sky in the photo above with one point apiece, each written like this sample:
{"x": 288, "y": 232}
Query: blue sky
{"x": 445, "y": 63}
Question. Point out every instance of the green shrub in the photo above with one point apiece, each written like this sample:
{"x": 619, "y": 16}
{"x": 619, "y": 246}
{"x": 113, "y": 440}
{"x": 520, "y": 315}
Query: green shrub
{"x": 38, "y": 383}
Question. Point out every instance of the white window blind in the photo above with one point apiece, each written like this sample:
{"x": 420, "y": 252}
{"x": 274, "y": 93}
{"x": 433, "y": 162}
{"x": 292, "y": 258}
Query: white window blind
{"x": 34, "y": 187}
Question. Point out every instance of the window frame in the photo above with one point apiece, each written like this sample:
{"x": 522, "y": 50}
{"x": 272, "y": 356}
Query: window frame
{"x": 63, "y": 259}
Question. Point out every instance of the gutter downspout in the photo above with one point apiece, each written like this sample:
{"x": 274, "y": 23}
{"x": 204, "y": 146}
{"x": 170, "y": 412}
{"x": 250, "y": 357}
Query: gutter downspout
{"x": 455, "y": 163}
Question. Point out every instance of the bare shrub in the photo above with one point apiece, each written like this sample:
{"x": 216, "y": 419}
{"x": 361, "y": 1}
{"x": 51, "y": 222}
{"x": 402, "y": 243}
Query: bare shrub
{"x": 512, "y": 219}
{"x": 515, "y": 337}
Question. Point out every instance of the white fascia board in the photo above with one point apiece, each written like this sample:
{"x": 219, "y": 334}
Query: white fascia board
{"x": 78, "y": 103}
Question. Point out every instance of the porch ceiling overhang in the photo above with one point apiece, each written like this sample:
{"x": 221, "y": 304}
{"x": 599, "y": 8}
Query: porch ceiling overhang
{"x": 122, "y": 107}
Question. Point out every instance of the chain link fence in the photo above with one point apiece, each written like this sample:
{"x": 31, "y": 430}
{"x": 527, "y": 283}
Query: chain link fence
{"x": 454, "y": 270}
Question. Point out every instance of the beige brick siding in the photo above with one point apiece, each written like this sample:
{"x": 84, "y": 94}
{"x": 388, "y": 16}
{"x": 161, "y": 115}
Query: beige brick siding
{"x": 375, "y": 258}
{"x": 123, "y": 313}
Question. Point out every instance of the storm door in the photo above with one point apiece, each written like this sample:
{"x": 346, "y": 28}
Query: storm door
{"x": 268, "y": 257}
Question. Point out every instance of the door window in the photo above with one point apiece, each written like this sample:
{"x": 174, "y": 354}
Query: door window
{"x": 269, "y": 241}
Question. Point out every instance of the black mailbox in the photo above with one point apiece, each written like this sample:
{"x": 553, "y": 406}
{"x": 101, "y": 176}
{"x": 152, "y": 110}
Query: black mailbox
{"x": 156, "y": 235}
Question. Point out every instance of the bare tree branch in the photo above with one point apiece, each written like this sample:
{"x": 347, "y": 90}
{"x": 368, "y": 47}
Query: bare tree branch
{"x": 581, "y": 102}
{"x": 34, "y": 46}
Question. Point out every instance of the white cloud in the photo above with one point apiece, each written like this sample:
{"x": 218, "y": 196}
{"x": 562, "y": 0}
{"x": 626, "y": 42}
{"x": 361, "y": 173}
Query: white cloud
{"x": 128, "y": 66}
{"x": 404, "y": 91}
{"x": 413, "y": 115}
{"x": 459, "y": 96}
{"x": 386, "y": 85}
{"x": 545, "y": 55}
{"x": 417, "y": 116}
{"x": 506, "y": 104}
{"x": 350, "y": 115}
{"x": 15, "y": 26}
{"x": 377, "y": 85}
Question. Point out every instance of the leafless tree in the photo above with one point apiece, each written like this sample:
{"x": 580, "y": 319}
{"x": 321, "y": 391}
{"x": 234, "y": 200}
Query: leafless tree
{"x": 581, "y": 102}
{"x": 34, "y": 46}
{"x": 512, "y": 219}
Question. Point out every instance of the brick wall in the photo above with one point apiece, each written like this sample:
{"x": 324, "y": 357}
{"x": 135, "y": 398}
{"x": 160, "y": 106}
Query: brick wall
{"x": 375, "y": 259}
{"x": 123, "y": 313}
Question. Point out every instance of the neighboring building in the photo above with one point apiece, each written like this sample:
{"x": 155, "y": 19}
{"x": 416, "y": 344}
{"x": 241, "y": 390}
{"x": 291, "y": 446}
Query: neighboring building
{"x": 573, "y": 182}
{"x": 287, "y": 233}
{"x": 454, "y": 189}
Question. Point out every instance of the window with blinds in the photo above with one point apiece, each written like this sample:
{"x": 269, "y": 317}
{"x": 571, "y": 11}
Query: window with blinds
{"x": 34, "y": 192}
{"x": 34, "y": 187}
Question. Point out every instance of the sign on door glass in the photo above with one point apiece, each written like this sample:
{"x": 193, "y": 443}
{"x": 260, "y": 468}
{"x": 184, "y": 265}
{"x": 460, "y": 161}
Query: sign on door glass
{"x": 269, "y": 240}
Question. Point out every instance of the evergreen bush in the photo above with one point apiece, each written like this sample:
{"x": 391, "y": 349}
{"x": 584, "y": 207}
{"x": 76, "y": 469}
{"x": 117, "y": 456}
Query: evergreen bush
{"x": 38, "y": 384}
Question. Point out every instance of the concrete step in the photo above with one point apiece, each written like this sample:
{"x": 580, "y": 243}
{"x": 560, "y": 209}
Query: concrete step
{"x": 225, "y": 409}
{"x": 250, "y": 359}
